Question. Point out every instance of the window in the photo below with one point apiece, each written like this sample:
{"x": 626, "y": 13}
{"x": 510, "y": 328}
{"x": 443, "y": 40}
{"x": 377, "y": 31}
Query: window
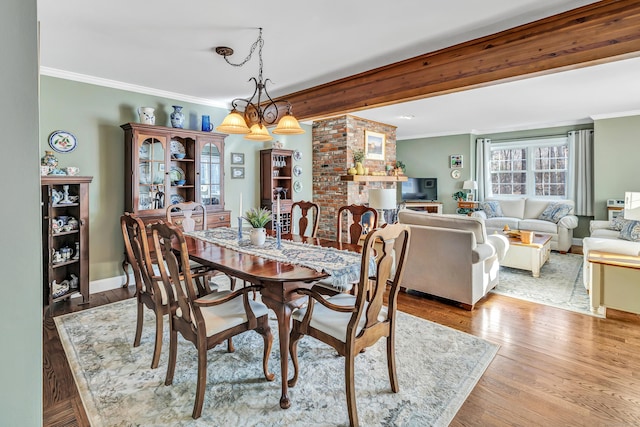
{"x": 533, "y": 168}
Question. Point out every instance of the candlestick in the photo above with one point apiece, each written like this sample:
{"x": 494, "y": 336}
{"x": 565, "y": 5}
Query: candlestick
{"x": 278, "y": 208}
{"x": 278, "y": 235}
{"x": 239, "y": 228}
{"x": 240, "y": 213}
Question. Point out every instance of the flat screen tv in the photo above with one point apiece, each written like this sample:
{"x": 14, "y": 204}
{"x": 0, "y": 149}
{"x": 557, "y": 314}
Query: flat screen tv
{"x": 420, "y": 189}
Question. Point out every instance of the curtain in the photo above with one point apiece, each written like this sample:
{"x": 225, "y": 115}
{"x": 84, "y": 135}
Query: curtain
{"x": 483, "y": 172}
{"x": 581, "y": 170}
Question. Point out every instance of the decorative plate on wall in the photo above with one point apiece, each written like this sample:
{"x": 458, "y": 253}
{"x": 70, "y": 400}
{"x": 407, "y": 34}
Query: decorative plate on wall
{"x": 63, "y": 141}
{"x": 297, "y": 186}
{"x": 297, "y": 170}
{"x": 297, "y": 155}
{"x": 455, "y": 174}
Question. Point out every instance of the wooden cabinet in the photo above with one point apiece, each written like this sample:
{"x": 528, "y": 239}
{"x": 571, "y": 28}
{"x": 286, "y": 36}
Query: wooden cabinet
{"x": 170, "y": 165}
{"x": 65, "y": 237}
{"x": 276, "y": 179}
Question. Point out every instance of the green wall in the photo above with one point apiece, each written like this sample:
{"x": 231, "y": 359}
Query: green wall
{"x": 94, "y": 114}
{"x": 21, "y": 266}
{"x": 617, "y": 160}
{"x": 429, "y": 158}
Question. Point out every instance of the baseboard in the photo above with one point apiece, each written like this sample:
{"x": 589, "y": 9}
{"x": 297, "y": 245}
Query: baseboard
{"x": 576, "y": 241}
{"x": 109, "y": 284}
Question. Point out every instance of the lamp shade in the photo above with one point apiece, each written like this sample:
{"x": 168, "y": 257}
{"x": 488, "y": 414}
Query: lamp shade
{"x": 382, "y": 198}
{"x": 470, "y": 185}
{"x": 288, "y": 125}
{"x": 258, "y": 133}
{"x": 632, "y": 206}
{"x": 233, "y": 123}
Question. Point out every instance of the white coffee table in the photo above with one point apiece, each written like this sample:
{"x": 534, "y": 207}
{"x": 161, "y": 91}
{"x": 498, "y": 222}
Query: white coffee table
{"x": 528, "y": 256}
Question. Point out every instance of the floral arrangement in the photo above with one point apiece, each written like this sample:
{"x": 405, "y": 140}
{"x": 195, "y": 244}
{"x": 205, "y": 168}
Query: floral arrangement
{"x": 258, "y": 218}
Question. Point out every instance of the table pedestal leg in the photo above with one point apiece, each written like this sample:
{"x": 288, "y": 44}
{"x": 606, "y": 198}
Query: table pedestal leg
{"x": 283, "y": 314}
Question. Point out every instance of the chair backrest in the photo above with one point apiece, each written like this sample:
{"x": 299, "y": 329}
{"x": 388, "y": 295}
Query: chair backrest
{"x": 309, "y": 214}
{"x": 354, "y": 221}
{"x": 194, "y": 216}
{"x": 171, "y": 250}
{"x": 389, "y": 246}
{"x": 136, "y": 245}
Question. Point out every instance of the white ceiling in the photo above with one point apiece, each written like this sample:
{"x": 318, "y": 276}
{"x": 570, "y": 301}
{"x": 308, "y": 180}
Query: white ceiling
{"x": 166, "y": 47}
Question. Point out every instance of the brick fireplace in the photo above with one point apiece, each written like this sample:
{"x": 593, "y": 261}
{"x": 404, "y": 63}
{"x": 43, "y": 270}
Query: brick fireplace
{"x": 334, "y": 141}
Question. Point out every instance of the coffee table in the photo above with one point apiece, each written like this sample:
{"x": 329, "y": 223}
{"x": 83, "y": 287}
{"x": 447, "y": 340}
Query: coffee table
{"x": 528, "y": 256}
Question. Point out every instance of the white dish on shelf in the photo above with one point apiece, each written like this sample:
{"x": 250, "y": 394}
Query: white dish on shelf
{"x": 176, "y": 173}
{"x": 143, "y": 152}
{"x": 176, "y": 198}
{"x": 176, "y": 147}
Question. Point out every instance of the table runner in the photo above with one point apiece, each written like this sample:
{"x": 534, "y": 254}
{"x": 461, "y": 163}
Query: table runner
{"x": 343, "y": 266}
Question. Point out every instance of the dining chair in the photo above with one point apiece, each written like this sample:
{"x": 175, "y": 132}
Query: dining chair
{"x": 207, "y": 321}
{"x": 148, "y": 291}
{"x": 353, "y": 216}
{"x": 309, "y": 214}
{"x": 351, "y": 323}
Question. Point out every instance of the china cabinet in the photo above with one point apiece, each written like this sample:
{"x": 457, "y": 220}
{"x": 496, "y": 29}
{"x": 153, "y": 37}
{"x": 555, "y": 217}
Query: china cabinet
{"x": 164, "y": 166}
{"x": 65, "y": 237}
{"x": 276, "y": 180}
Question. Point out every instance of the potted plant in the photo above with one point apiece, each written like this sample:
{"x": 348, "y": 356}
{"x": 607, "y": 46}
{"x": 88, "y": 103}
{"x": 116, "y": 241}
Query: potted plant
{"x": 358, "y": 158}
{"x": 400, "y": 167}
{"x": 258, "y": 218}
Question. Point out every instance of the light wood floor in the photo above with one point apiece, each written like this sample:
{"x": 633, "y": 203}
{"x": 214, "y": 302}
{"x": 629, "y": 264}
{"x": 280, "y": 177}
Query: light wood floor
{"x": 554, "y": 367}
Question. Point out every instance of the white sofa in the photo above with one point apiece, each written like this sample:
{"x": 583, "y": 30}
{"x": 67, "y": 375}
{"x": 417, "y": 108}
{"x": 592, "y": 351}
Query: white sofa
{"x": 523, "y": 214}
{"x": 451, "y": 256}
{"x": 602, "y": 237}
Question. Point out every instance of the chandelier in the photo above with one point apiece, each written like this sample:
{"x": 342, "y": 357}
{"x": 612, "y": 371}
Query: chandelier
{"x": 259, "y": 111}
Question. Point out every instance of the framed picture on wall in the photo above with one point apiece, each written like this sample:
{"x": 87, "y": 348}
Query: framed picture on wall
{"x": 237, "y": 158}
{"x": 237, "y": 173}
{"x": 374, "y": 145}
{"x": 455, "y": 161}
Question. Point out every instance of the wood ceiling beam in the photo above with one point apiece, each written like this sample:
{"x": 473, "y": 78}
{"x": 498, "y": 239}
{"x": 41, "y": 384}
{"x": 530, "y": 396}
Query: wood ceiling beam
{"x": 596, "y": 33}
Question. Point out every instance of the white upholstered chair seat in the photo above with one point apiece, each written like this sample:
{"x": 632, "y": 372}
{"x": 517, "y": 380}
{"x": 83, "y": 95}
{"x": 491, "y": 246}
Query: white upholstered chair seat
{"x": 332, "y": 322}
{"x": 225, "y": 316}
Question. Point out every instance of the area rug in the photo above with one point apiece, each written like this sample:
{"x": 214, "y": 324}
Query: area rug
{"x": 559, "y": 285}
{"x": 437, "y": 369}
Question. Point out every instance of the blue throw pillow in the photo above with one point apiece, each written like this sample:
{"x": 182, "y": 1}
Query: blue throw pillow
{"x": 618, "y": 222}
{"x": 631, "y": 231}
{"x": 492, "y": 209}
{"x": 555, "y": 211}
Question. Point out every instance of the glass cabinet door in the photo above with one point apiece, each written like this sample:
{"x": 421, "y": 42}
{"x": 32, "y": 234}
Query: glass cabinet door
{"x": 151, "y": 185}
{"x": 210, "y": 175}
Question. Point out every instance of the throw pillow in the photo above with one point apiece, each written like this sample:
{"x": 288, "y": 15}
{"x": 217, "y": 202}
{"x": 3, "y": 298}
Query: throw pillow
{"x": 555, "y": 211}
{"x": 631, "y": 231}
{"x": 492, "y": 209}
{"x": 618, "y": 222}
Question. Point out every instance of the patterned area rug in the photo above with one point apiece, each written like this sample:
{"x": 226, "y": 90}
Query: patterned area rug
{"x": 559, "y": 285}
{"x": 437, "y": 369}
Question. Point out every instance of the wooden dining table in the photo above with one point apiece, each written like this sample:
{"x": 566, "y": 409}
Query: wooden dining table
{"x": 278, "y": 280}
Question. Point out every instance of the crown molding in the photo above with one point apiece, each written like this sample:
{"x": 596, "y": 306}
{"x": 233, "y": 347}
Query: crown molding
{"x": 114, "y": 84}
{"x": 616, "y": 115}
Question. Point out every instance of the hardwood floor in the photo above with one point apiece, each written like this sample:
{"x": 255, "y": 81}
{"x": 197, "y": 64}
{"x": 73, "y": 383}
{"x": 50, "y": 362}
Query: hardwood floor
{"x": 554, "y": 367}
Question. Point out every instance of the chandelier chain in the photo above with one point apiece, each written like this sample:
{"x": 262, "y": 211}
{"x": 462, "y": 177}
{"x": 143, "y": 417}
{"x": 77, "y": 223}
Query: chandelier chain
{"x": 258, "y": 42}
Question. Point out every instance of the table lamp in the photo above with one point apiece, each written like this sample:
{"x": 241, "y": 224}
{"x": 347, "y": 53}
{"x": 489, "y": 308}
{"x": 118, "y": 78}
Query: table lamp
{"x": 382, "y": 199}
{"x": 632, "y": 206}
{"x": 471, "y": 186}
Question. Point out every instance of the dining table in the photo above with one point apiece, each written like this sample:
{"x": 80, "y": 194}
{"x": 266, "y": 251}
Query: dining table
{"x": 279, "y": 268}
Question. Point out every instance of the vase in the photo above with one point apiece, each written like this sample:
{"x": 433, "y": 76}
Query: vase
{"x": 49, "y": 159}
{"x": 177, "y": 117}
{"x": 146, "y": 115}
{"x": 258, "y": 236}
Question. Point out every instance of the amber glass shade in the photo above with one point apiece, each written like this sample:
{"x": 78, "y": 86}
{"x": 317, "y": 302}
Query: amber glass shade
{"x": 258, "y": 133}
{"x": 288, "y": 125}
{"x": 233, "y": 123}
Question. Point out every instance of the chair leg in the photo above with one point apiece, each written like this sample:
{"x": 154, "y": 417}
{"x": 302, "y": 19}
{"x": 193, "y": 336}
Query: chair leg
{"x": 139, "y": 320}
{"x": 230, "y": 347}
{"x": 202, "y": 380}
{"x": 173, "y": 350}
{"x": 293, "y": 351}
{"x": 391, "y": 362}
{"x": 157, "y": 348}
{"x": 349, "y": 380}
{"x": 264, "y": 330}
